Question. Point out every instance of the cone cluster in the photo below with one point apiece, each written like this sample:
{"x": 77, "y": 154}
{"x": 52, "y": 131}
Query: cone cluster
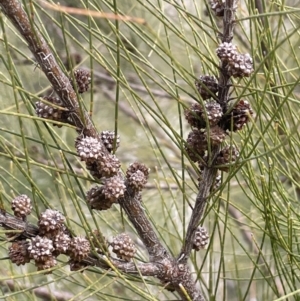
{"x": 212, "y": 119}
{"x": 52, "y": 240}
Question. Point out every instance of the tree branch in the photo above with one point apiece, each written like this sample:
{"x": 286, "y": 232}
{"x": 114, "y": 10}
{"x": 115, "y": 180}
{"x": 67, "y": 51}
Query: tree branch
{"x": 209, "y": 172}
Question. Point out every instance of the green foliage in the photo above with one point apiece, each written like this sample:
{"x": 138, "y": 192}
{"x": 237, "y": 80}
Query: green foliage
{"x": 142, "y": 80}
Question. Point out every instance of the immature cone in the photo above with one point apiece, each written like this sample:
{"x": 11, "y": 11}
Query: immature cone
{"x": 50, "y": 222}
{"x": 108, "y": 165}
{"x": 207, "y": 86}
{"x": 137, "y": 180}
{"x": 123, "y": 247}
{"x": 83, "y": 79}
{"x": 134, "y": 167}
{"x": 196, "y": 145}
{"x": 46, "y": 111}
{"x": 228, "y": 155}
{"x": 18, "y": 252}
{"x": 21, "y": 206}
{"x": 96, "y": 199}
{"x": 218, "y": 7}
{"x": 217, "y": 135}
{"x": 114, "y": 188}
{"x": 200, "y": 239}
{"x": 239, "y": 116}
{"x": 214, "y": 112}
{"x": 194, "y": 116}
{"x": 47, "y": 264}
{"x": 61, "y": 242}
{"x": 108, "y": 140}
{"x": 79, "y": 248}
{"x": 40, "y": 248}
{"x": 88, "y": 148}
{"x": 227, "y": 52}
{"x": 241, "y": 66}
{"x": 137, "y": 176}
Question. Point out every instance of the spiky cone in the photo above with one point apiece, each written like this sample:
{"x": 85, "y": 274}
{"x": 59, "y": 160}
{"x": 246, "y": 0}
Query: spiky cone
{"x": 114, "y": 188}
{"x": 50, "y": 223}
{"x": 47, "y": 264}
{"x": 96, "y": 199}
{"x": 241, "y": 66}
{"x": 137, "y": 181}
{"x": 79, "y": 248}
{"x": 108, "y": 139}
{"x": 21, "y": 206}
{"x": 108, "y": 165}
{"x": 18, "y": 252}
{"x": 83, "y": 80}
{"x": 40, "y": 248}
{"x": 196, "y": 145}
{"x": 207, "y": 86}
{"x": 61, "y": 243}
{"x": 123, "y": 247}
{"x": 227, "y": 52}
{"x": 137, "y": 175}
{"x": 214, "y": 112}
{"x": 200, "y": 239}
{"x": 134, "y": 167}
{"x": 218, "y": 7}
{"x": 46, "y": 111}
{"x": 194, "y": 116}
{"x": 238, "y": 117}
{"x": 227, "y": 156}
{"x": 88, "y": 148}
{"x": 216, "y": 135}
